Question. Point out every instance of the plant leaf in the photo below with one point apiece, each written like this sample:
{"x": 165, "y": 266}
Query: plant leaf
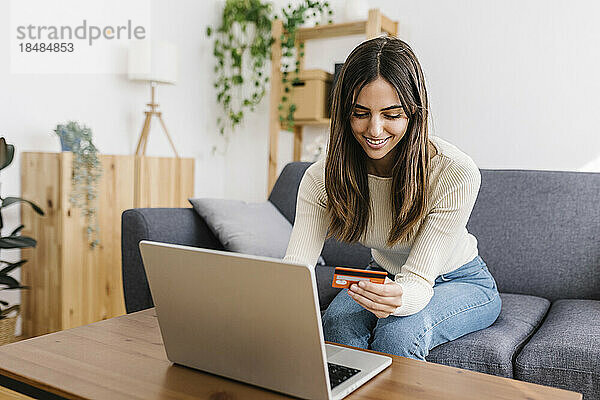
{"x": 10, "y": 309}
{"x": 12, "y": 200}
{"x": 9, "y": 281}
{"x": 17, "y": 230}
{"x": 7, "y": 153}
{"x": 11, "y": 266}
{"x": 17, "y": 242}
{"x": 15, "y": 287}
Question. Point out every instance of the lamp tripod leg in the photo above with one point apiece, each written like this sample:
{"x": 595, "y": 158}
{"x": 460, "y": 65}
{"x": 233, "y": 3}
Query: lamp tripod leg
{"x": 143, "y": 140}
{"x": 167, "y": 133}
{"x": 147, "y": 135}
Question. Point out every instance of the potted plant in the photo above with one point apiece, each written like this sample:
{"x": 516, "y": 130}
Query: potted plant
{"x": 13, "y": 241}
{"x": 87, "y": 172}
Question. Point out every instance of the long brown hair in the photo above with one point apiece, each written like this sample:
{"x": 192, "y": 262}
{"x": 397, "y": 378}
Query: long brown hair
{"x": 346, "y": 179}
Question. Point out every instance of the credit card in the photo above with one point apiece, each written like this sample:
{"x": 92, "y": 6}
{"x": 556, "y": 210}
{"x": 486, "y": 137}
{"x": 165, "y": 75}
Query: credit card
{"x": 344, "y": 277}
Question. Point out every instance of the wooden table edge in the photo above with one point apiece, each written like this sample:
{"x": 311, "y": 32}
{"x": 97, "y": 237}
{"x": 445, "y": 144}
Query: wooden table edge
{"x": 56, "y": 391}
{"x": 32, "y": 385}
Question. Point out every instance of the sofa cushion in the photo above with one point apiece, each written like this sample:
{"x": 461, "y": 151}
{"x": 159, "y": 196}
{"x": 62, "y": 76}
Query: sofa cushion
{"x": 565, "y": 351}
{"x": 249, "y": 228}
{"x": 284, "y": 194}
{"x": 492, "y": 350}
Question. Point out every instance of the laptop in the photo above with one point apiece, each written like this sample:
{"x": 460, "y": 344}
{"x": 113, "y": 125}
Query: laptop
{"x": 250, "y": 318}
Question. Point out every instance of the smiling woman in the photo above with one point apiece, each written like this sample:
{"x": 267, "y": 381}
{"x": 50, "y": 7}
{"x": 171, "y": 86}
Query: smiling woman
{"x": 380, "y": 98}
{"x": 388, "y": 185}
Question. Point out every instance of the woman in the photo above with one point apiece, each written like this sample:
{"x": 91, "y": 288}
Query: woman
{"x": 389, "y": 186}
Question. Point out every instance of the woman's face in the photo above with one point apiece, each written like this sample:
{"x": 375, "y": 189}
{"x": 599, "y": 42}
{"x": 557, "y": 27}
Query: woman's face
{"x": 378, "y": 121}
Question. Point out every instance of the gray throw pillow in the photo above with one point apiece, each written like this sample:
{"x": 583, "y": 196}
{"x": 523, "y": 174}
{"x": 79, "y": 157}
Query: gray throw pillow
{"x": 249, "y": 228}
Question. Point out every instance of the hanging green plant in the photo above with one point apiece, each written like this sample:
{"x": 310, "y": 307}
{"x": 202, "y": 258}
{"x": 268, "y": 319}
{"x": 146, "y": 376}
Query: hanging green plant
{"x": 242, "y": 47}
{"x": 87, "y": 172}
{"x": 293, "y": 18}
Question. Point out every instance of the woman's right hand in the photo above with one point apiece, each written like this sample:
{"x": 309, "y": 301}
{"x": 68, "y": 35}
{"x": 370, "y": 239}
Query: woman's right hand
{"x": 382, "y": 299}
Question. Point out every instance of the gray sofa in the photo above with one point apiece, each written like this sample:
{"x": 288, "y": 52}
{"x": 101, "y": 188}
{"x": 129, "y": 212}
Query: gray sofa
{"x": 538, "y": 232}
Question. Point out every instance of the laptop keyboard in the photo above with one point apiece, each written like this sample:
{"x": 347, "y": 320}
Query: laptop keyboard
{"x": 339, "y": 374}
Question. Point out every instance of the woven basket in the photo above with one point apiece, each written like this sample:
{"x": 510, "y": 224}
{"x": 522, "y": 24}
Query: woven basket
{"x": 7, "y": 329}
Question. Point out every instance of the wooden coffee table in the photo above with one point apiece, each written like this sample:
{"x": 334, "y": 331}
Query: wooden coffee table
{"x": 124, "y": 358}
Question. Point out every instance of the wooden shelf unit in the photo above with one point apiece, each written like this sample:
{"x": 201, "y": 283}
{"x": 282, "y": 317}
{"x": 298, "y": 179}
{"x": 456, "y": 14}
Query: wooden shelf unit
{"x": 374, "y": 26}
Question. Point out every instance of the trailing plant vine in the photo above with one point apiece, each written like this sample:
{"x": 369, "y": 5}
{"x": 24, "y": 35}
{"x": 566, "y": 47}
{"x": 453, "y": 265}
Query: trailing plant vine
{"x": 293, "y": 18}
{"x": 87, "y": 172}
{"x": 242, "y": 41}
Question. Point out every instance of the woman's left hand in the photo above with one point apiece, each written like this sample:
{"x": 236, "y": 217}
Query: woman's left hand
{"x": 381, "y": 299}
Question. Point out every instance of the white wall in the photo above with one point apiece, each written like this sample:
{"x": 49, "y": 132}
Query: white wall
{"x": 512, "y": 83}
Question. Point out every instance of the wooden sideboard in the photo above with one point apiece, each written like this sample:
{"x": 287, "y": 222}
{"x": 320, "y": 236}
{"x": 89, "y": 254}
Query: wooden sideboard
{"x": 72, "y": 284}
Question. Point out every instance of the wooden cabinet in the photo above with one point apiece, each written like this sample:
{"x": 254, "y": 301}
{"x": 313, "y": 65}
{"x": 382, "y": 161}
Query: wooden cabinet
{"x": 70, "y": 283}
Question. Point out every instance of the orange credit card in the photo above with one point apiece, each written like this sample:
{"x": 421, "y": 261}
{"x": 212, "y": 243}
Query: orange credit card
{"x": 344, "y": 277}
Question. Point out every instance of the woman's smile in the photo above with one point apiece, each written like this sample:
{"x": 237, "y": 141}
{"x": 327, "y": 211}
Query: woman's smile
{"x": 376, "y": 143}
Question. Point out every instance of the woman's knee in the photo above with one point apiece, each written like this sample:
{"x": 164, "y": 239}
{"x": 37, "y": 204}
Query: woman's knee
{"x": 347, "y": 322}
{"x": 398, "y": 336}
{"x": 344, "y": 311}
{"x": 341, "y": 308}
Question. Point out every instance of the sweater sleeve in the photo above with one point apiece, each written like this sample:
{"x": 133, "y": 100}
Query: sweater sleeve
{"x": 312, "y": 221}
{"x": 437, "y": 236}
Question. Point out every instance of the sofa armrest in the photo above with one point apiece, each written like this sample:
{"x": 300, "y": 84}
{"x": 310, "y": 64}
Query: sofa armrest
{"x": 169, "y": 225}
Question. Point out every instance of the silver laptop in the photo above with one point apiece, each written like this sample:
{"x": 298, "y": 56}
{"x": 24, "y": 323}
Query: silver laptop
{"x": 252, "y": 319}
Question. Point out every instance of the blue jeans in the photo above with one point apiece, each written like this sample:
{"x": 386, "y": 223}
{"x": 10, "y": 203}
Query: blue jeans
{"x": 464, "y": 300}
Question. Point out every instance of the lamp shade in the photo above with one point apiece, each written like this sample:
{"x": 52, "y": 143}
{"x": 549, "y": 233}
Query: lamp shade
{"x": 154, "y": 61}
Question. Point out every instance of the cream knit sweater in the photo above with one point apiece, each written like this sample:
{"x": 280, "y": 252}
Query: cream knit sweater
{"x": 441, "y": 245}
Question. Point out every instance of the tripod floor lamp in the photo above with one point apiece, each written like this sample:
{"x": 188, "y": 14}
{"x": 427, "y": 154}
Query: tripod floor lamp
{"x": 153, "y": 62}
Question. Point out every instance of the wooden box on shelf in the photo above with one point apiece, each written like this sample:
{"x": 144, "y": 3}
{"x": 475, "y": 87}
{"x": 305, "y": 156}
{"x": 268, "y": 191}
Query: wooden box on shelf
{"x": 70, "y": 283}
{"x": 311, "y": 95}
